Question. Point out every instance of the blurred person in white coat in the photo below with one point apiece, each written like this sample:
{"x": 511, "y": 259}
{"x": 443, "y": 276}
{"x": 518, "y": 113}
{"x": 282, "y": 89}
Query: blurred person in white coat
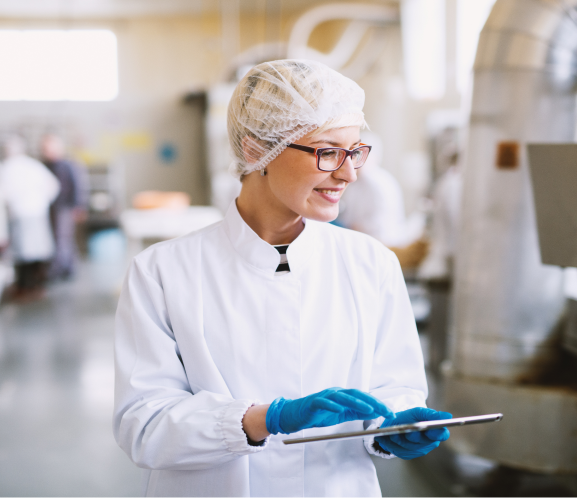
{"x": 375, "y": 205}
{"x": 272, "y": 321}
{"x": 28, "y": 189}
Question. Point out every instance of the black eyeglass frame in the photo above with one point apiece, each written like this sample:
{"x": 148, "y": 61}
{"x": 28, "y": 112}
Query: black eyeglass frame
{"x": 319, "y": 150}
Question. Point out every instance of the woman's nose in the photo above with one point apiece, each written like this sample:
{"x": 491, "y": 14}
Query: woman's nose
{"x": 346, "y": 172}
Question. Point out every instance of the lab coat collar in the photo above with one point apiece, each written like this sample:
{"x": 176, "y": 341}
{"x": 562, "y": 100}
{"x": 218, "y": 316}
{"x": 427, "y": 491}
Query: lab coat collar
{"x": 261, "y": 254}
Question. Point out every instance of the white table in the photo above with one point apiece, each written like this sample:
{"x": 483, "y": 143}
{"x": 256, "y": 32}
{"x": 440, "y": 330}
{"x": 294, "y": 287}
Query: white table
{"x": 164, "y": 224}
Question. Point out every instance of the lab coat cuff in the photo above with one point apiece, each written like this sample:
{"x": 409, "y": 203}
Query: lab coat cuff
{"x": 372, "y": 447}
{"x": 233, "y": 435}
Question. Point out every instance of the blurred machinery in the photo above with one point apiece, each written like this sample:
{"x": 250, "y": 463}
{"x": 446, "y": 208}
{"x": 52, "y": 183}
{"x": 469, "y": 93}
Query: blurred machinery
{"x": 106, "y": 189}
{"x": 437, "y": 269}
{"x": 506, "y": 352}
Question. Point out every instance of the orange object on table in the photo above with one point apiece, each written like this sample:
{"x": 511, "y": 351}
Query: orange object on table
{"x": 154, "y": 199}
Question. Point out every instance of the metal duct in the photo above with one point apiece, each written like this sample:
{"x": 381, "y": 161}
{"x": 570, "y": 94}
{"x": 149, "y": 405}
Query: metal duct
{"x": 355, "y": 52}
{"x": 506, "y": 302}
{"x": 361, "y": 17}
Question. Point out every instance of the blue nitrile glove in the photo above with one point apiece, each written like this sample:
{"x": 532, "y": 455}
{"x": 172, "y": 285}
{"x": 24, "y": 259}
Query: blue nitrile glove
{"x": 329, "y": 407}
{"x": 414, "y": 444}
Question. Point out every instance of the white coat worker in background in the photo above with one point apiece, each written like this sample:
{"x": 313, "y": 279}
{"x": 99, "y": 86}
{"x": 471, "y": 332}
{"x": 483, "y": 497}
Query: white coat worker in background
{"x": 272, "y": 321}
{"x": 28, "y": 189}
{"x": 374, "y": 205}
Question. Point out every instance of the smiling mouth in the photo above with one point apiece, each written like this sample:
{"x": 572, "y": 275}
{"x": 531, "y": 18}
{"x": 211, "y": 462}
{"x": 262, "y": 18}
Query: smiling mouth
{"x": 333, "y": 193}
{"x": 330, "y": 195}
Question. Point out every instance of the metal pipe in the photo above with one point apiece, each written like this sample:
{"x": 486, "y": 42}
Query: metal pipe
{"x": 361, "y": 17}
{"x": 345, "y": 55}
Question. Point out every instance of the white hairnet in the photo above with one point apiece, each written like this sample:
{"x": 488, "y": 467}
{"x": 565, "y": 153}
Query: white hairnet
{"x": 279, "y": 102}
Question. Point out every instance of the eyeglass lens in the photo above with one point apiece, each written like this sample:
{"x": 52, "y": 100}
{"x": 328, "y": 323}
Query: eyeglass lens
{"x": 332, "y": 159}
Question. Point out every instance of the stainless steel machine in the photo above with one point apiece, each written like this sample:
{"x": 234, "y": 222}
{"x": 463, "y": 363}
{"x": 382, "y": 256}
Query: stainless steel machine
{"x": 506, "y": 337}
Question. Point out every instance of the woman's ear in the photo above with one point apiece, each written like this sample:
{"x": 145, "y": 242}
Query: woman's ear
{"x": 251, "y": 150}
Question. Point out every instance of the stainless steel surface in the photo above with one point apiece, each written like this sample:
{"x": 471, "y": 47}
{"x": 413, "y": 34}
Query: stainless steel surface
{"x": 401, "y": 429}
{"x": 554, "y": 177}
{"x": 538, "y": 433}
{"x": 528, "y": 34}
{"x": 507, "y": 303}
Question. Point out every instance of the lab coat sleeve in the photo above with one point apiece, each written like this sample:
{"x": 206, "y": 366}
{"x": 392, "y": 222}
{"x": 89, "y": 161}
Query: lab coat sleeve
{"x": 158, "y": 422}
{"x": 398, "y": 375}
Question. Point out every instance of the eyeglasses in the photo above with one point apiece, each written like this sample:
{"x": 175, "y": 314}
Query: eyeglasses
{"x": 332, "y": 158}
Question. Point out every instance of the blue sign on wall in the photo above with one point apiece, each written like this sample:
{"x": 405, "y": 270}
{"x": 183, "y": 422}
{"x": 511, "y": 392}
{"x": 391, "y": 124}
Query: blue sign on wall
{"x": 168, "y": 152}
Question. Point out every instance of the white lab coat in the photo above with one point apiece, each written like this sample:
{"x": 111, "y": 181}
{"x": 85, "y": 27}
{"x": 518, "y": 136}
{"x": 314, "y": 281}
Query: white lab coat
{"x": 28, "y": 188}
{"x": 341, "y": 317}
{"x": 374, "y": 205}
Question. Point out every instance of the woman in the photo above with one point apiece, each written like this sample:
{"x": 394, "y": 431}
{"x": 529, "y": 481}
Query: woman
{"x": 242, "y": 330}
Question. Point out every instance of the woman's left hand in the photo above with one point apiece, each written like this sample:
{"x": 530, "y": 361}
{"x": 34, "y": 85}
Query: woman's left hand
{"x": 414, "y": 444}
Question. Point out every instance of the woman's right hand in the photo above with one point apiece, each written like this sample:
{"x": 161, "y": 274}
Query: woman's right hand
{"x": 329, "y": 407}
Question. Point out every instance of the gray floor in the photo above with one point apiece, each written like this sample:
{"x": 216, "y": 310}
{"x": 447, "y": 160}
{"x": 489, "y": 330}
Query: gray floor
{"x": 56, "y": 385}
{"x": 56, "y": 371}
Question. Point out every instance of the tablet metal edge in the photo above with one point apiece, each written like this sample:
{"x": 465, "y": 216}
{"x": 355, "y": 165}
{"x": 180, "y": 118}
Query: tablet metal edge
{"x": 401, "y": 429}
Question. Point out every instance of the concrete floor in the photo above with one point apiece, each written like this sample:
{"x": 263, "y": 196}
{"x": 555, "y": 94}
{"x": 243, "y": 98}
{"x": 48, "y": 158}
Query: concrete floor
{"x": 56, "y": 388}
{"x": 56, "y": 371}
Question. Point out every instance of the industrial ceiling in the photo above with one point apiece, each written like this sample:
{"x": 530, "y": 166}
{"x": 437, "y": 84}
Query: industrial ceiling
{"x": 136, "y": 8}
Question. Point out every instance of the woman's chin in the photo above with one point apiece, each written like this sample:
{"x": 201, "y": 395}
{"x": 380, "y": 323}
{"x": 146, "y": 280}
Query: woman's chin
{"x": 324, "y": 214}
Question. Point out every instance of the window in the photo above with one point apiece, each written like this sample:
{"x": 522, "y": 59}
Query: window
{"x": 58, "y": 65}
{"x": 423, "y": 30}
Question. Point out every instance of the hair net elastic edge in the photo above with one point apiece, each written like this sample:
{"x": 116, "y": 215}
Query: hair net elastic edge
{"x": 274, "y": 153}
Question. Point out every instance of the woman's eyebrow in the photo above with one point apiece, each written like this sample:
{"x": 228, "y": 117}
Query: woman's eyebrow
{"x": 330, "y": 142}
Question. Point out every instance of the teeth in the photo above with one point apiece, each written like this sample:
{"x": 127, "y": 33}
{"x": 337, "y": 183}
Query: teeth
{"x": 334, "y": 193}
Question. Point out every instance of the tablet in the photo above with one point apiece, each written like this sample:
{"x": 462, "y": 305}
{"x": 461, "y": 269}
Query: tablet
{"x": 401, "y": 429}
